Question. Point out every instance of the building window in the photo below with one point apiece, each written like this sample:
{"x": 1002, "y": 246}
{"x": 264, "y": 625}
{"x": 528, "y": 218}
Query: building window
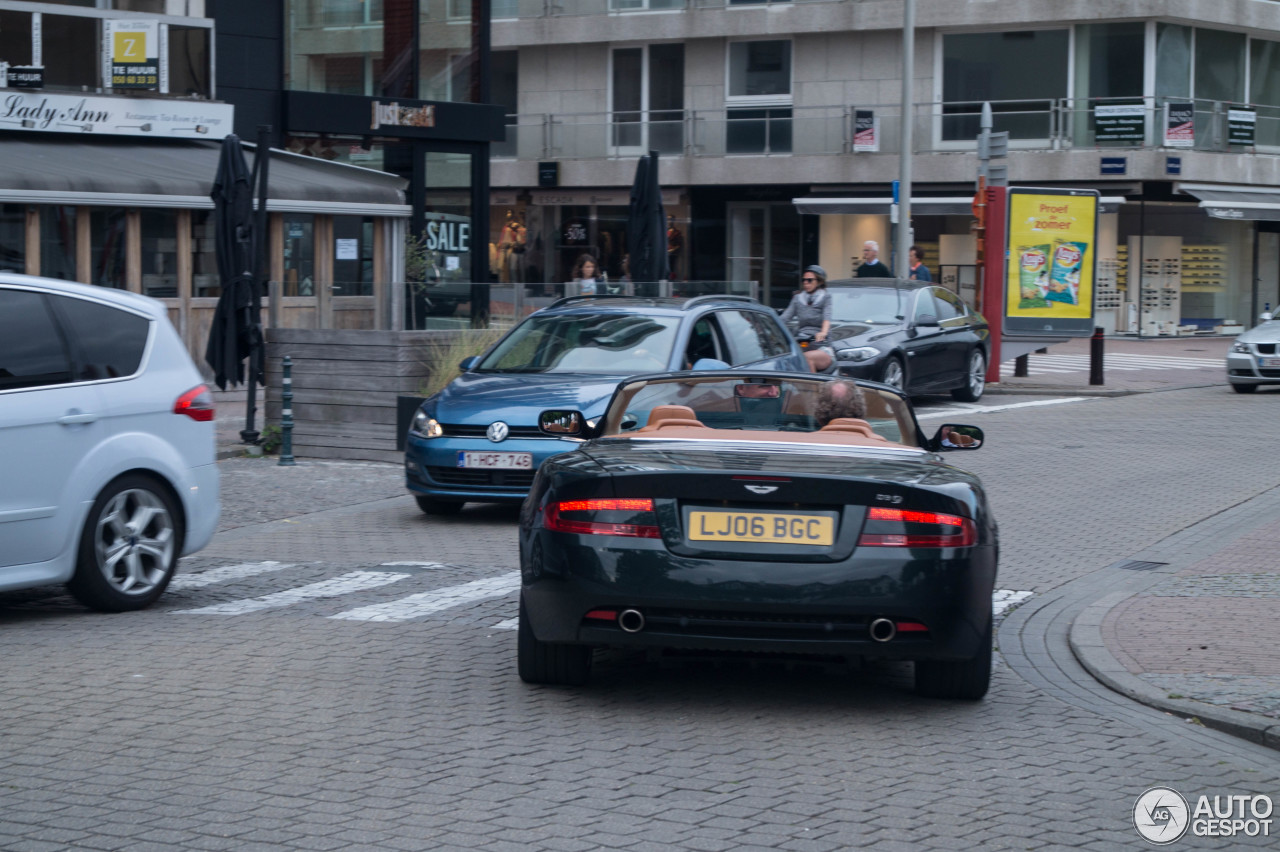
{"x": 1219, "y": 66}
{"x": 1109, "y": 60}
{"x": 760, "y": 70}
{"x": 1020, "y": 73}
{"x": 1264, "y": 88}
{"x": 159, "y": 253}
{"x": 504, "y": 89}
{"x": 648, "y": 98}
{"x": 299, "y": 254}
{"x": 189, "y": 61}
{"x": 205, "y": 281}
{"x": 13, "y": 238}
{"x": 350, "y": 35}
{"x": 107, "y": 238}
{"x": 15, "y": 37}
{"x": 758, "y": 101}
{"x": 58, "y": 242}
{"x": 70, "y": 49}
{"x": 352, "y": 256}
{"x": 1173, "y": 61}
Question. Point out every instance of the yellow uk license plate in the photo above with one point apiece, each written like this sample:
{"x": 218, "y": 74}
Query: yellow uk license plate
{"x": 762, "y": 528}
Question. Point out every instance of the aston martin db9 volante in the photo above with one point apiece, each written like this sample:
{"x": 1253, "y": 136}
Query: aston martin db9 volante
{"x": 758, "y": 511}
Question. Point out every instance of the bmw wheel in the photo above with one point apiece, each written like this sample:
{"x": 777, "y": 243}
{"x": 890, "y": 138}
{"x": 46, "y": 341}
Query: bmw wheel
{"x": 129, "y": 546}
{"x": 893, "y": 375}
{"x": 975, "y": 379}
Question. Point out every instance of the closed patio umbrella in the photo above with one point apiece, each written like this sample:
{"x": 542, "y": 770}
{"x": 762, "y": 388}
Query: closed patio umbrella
{"x": 647, "y": 225}
{"x": 236, "y": 333}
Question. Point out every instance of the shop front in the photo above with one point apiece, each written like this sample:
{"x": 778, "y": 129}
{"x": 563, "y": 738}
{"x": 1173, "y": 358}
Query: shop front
{"x": 540, "y": 236}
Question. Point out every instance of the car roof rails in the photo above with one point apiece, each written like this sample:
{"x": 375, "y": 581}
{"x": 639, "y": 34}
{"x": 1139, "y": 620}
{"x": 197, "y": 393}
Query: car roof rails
{"x": 585, "y": 297}
{"x": 717, "y": 297}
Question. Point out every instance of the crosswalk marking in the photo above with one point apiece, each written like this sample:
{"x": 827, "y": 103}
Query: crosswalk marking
{"x": 1118, "y": 361}
{"x": 225, "y": 574}
{"x": 356, "y": 581}
{"x": 1004, "y": 599}
{"x": 437, "y": 600}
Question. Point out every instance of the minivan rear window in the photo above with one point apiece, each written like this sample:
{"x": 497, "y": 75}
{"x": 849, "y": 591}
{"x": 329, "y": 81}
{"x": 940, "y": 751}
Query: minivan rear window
{"x": 32, "y": 353}
{"x": 109, "y": 341}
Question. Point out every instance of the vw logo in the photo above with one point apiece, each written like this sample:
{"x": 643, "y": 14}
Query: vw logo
{"x": 761, "y": 489}
{"x": 497, "y": 431}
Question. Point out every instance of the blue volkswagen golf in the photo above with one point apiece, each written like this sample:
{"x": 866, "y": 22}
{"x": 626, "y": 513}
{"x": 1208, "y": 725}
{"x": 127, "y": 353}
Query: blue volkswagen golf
{"x": 478, "y": 439}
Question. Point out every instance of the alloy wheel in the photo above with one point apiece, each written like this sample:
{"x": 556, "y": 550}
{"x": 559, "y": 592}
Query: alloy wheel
{"x": 977, "y": 374}
{"x": 893, "y": 374}
{"x": 134, "y": 541}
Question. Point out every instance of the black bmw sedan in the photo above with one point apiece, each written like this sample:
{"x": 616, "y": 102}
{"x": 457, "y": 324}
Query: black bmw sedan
{"x": 908, "y": 334}
{"x": 757, "y": 511}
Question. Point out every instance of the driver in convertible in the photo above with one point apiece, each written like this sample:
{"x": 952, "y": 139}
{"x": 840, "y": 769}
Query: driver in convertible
{"x": 837, "y": 400}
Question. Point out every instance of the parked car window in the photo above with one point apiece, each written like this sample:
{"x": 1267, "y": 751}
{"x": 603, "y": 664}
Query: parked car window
{"x": 704, "y": 342}
{"x": 575, "y": 343}
{"x": 924, "y": 305}
{"x": 109, "y": 341}
{"x": 32, "y": 352}
{"x": 772, "y": 340}
{"x": 744, "y": 337}
{"x": 949, "y": 307}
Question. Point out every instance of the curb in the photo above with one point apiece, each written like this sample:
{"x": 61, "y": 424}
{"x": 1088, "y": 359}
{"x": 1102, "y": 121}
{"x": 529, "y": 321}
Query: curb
{"x": 1051, "y": 390}
{"x": 1085, "y": 640}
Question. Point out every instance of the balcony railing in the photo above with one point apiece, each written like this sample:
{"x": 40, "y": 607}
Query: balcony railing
{"x": 1045, "y": 124}
{"x": 510, "y": 9}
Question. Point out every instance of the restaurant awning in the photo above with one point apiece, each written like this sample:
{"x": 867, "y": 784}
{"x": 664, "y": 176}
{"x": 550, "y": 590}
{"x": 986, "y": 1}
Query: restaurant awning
{"x": 954, "y": 205}
{"x": 1228, "y": 201}
{"x": 133, "y": 173}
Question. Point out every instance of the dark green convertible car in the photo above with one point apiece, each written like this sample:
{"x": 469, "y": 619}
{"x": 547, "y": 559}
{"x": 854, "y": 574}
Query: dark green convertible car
{"x": 774, "y": 512}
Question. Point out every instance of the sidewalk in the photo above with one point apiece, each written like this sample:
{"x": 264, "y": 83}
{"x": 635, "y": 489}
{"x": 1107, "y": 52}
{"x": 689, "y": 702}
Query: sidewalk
{"x": 1200, "y": 641}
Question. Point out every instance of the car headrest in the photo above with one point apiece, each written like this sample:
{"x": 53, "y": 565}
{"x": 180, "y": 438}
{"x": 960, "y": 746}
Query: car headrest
{"x": 850, "y": 424}
{"x": 670, "y": 412}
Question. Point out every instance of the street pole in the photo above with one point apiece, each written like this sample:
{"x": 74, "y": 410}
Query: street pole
{"x": 902, "y": 241}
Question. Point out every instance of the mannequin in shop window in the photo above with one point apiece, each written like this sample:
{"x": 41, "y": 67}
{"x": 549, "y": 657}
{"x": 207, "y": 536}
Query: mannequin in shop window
{"x": 675, "y": 247}
{"x": 511, "y": 247}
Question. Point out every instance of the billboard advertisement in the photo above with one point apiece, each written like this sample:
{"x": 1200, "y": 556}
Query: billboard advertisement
{"x": 1051, "y": 254}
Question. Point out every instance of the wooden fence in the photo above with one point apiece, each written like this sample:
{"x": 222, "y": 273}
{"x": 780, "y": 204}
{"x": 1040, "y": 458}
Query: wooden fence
{"x": 345, "y": 384}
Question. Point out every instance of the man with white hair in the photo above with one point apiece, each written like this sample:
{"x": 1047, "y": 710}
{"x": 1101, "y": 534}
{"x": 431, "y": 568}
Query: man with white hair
{"x": 871, "y": 266}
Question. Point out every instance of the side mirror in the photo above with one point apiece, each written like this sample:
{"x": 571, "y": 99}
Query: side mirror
{"x": 466, "y": 364}
{"x": 952, "y": 436}
{"x": 1265, "y": 316}
{"x": 563, "y": 424}
{"x": 709, "y": 364}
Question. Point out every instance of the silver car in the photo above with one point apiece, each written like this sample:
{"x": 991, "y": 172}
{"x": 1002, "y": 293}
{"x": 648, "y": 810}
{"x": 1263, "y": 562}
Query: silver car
{"x": 107, "y": 458}
{"x": 1254, "y": 358}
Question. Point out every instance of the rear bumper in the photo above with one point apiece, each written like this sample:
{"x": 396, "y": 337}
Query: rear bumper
{"x": 203, "y": 506}
{"x": 813, "y": 608}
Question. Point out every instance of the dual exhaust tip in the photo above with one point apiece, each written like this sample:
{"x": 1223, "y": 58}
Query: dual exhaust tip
{"x": 881, "y": 629}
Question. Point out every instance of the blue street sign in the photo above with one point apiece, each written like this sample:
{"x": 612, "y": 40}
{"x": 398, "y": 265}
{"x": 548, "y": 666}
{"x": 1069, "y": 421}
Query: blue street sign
{"x": 1114, "y": 165}
{"x": 1173, "y": 165}
{"x": 896, "y": 184}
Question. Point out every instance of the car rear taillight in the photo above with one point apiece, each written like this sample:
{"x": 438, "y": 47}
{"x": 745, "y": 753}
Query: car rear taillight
{"x": 905, "y": 528}
{"x": 628, "y": 516}
{"x": 196, "y": 404}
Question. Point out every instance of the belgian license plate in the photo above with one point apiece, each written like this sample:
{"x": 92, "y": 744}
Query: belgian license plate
{"x": 496, "y": 461}
{"x": 1269, "y": 362}
{"x": 762, "y": 528}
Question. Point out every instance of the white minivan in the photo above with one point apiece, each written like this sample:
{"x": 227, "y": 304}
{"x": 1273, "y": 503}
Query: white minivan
{"x": 108, "y": 469}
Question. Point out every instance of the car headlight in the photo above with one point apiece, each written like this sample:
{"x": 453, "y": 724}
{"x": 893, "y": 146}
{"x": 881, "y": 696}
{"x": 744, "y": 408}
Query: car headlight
{"x": 1239, "y": 347}
{"x": 858, "y": 353}
{"x": 425, "y": 426}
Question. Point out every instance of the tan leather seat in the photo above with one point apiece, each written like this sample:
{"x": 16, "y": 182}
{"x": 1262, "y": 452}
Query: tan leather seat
{"x": 851, "y": 424}
{"x": 667, "y": 416}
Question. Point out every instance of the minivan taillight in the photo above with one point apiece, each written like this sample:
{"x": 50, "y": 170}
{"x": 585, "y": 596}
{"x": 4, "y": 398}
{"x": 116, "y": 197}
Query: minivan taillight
{"x": 196, "y": 404}
{"x": 905, "y": 528}
{"x": 629, "y": 516}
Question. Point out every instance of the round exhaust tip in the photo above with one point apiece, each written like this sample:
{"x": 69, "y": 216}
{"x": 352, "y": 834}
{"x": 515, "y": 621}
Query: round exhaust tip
{"x": 882, "y": 630}
{"x": 631, "y": 620}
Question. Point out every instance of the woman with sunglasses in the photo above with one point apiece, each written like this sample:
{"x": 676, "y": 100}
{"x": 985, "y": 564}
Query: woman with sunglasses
{"x": 811, "y": 309}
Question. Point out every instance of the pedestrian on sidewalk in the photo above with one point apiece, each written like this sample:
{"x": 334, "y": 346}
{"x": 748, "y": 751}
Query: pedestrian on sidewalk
{"x": 872, "y": 266}
{"x": 915, "y": 260}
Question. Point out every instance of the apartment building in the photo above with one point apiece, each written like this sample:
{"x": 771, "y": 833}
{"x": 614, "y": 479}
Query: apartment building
{"x": 1170, "y": 110}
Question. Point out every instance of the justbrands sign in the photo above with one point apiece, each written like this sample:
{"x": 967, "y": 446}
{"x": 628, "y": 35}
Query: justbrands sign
{"x": 396, "y": 115}
{"x": 115, "y": 116}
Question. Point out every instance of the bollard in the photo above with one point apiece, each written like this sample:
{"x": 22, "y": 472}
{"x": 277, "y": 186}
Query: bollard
{"x": 1095, "y": 357}
{"x": 286, "y": 414}
{"x": 1020, "y": 366}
